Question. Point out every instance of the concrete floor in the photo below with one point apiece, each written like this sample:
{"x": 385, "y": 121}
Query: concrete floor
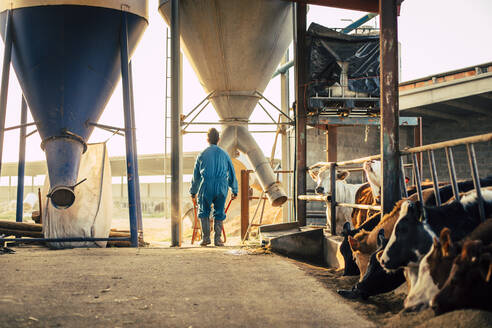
{"x": 164, "y": 287}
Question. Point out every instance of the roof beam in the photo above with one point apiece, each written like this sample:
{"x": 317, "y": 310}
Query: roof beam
{"x": 361, "y": 5}
{"x": 486, "y": 96}
{"x": 433, "y": 113}
{"x": 468, "y": 107}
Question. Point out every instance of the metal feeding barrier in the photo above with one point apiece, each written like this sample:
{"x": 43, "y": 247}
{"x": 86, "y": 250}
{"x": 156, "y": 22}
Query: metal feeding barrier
{"x": 446, "y": 145}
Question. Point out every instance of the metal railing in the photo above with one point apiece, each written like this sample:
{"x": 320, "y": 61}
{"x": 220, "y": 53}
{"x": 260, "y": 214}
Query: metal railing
{"x": 446, "y": 145}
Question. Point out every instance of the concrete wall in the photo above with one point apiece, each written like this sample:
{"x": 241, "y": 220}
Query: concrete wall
{"x": 437, "y": 131}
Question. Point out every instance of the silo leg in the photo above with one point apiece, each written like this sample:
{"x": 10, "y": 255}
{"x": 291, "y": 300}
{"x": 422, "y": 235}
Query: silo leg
{"x": 4, "y": 88}
{"x": 130, "y": 159}
{"x": 22, "y": 163}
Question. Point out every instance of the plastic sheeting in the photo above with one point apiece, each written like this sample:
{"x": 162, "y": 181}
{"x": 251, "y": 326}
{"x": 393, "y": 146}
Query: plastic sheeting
{"x": 91, "y": 213}
{"x": 326, "y": 48}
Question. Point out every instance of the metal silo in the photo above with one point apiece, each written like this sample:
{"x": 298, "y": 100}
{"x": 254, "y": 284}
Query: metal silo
{"x": 66, "y": 55}
{"x": 234, "y": 47}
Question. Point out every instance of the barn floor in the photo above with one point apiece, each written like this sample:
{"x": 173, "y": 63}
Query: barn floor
{"x": 164, "y": 287}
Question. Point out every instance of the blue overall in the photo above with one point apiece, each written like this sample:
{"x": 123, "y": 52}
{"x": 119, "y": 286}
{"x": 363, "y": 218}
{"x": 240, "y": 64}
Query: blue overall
{"x": 212, "y": 176}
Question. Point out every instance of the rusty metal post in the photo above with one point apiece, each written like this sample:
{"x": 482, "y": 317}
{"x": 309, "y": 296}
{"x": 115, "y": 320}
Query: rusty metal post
{"x": 176, "y": 137}
{"x": 301, "y": 110}
{"x": 244, "y": 194}
{"x": 389, "y": 104}
{"x": 331, "y": 144}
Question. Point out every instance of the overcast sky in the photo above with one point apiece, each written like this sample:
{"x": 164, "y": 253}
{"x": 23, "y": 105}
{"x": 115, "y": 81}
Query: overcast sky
{"x": 436, "y": 36}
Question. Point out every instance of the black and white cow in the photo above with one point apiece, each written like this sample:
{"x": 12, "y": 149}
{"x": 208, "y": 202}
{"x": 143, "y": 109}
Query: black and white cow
{"x": 412, "y": 237}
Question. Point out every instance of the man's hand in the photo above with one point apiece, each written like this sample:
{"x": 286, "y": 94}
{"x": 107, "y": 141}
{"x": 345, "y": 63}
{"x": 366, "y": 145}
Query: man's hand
{"x": 233, "y": 196}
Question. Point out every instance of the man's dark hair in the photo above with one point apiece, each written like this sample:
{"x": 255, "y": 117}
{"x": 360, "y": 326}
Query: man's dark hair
{"x": 213, "y": 136}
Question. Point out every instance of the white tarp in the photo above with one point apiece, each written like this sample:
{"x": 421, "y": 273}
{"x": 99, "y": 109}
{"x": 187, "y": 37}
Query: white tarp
{"x": 91, "y": 213}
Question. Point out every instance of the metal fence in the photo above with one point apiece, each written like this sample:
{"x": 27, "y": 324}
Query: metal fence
{"x": 446, "y": 145}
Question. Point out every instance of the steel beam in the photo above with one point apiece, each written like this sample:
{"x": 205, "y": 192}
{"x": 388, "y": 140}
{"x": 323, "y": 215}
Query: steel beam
{"x": 284, "y": 106}
{"x": 434, "y": 113}
{"x": 176, "y": 136}
{"x": 390, "y": 138}
{"x": 4, "y": 88}
{"x": 22, "y": 163}
{"x": 468, "y": 107}
{"x": 130, "y": 165}
{"x": 347, "y": 121}
{"x": 301, "y": 110}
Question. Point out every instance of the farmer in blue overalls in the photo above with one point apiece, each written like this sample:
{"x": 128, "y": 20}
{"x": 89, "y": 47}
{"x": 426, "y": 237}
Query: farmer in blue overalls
{"x": 212, "y": 177}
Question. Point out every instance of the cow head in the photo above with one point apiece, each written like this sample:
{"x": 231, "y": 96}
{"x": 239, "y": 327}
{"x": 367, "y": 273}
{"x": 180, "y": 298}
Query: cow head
{"x": 320, "y": 173}
{"x": 361, "y": 250}
{"x": 469, "y": 284}
{"x": 410, "y": 239}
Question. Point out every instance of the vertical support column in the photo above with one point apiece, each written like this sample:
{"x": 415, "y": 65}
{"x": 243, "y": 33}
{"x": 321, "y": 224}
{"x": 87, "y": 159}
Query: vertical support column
{"x": 417, "y": 142}
{"x": 135, "y": 156}
{"x": 389, "y": 105}
{"x": 301, "y": 110}
{"x": 130, "y": 158}
{"x": 22, "y": 163}
{"x": 4, "y": 88}
{"x": 333, "y": 200}
{"x": 331, "y": 144}
{"x": 176, "y": 137}
{"x": 284, "y": 105}
{"x": 244, "y": 194}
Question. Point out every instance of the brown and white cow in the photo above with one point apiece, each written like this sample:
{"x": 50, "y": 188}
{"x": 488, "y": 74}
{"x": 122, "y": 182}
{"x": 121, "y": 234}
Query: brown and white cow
{"x": 469, "y": 284}
{"x": 435, "y": 266}
{"x": 365, "y": 243}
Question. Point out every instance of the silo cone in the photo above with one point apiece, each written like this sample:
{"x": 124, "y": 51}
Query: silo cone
{"x": 234, "y": 47}
{"x": 66, "y": 54}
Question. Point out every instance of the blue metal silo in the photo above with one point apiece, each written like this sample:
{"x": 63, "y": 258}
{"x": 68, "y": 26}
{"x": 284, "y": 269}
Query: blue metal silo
{"x": 67, "y": 57}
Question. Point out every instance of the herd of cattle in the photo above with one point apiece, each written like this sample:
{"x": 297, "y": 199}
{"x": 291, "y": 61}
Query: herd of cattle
{"x": 444, "y": 253}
